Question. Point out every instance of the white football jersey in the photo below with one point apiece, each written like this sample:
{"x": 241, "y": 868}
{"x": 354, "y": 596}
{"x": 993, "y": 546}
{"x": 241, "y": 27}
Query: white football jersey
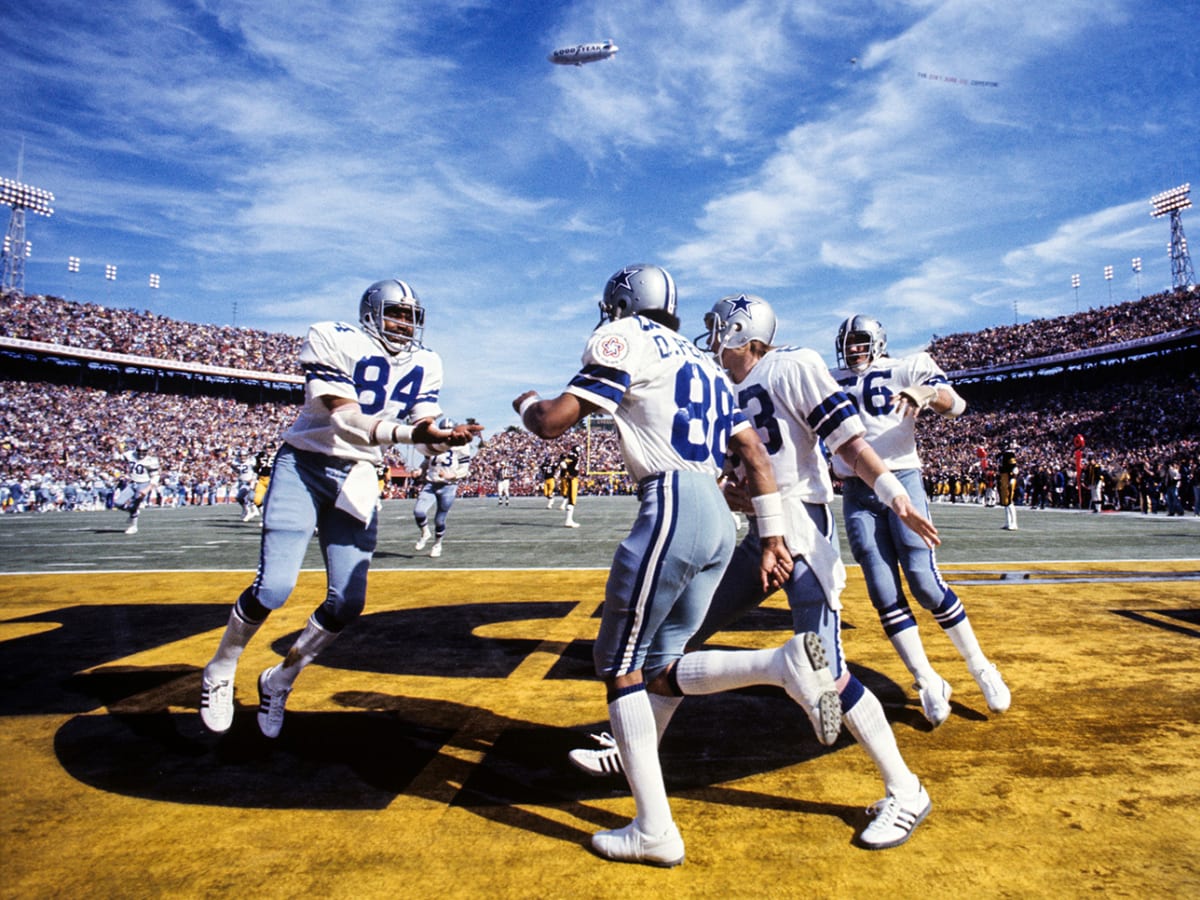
{"x": 447, "y": 464}
{"x": 340, "y": 360}
{"x": 874, "y": 391}
{"x": 793, "y": 402}
{"x": 673, "y": 406}
{"x": 143, "y": 470}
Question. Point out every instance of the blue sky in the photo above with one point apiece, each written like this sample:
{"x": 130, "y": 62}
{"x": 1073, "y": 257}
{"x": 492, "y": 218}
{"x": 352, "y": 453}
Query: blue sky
{"x": 269, "y": 160}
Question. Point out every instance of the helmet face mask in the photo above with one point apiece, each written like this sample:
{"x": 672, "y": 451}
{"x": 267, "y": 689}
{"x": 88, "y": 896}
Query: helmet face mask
{"x": 860, "y": 341}
{"x": 635, "y": 289}
{"x": 391, "y": 312}
{"x": 736, "y": 321}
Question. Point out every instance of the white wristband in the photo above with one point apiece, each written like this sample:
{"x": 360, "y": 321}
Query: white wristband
{"x": 888, "y": 488}
{"x": 768, "y": 514}
{"x": 957, "y": 408}
{"x": 525, "y": 404}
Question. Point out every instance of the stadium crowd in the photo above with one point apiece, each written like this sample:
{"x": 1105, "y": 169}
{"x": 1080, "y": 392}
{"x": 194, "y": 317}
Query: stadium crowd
{"x": 60, "y": 447}
{"x": 1003, "y": 344}
{"x": 54, "y": 320}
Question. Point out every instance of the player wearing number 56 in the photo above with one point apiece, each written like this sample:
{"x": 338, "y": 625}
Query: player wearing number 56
{"x": 676, "y": 421}
{"x": 366, "y": 386}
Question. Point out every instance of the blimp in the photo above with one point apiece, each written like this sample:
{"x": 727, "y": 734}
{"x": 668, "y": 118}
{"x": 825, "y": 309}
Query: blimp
{"x": 583, "y": 53}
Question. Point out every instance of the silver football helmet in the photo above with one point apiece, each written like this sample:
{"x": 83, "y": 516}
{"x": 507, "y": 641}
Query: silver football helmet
{"x": 860, "y": 341}
{"x": 735, "y": 321}
{"x": 636, "y": 289}
{"x": 391, "y": 312}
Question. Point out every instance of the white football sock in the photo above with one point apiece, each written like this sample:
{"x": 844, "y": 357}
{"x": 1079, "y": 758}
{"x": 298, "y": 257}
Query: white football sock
{"x": 866, "y": 721}
{"x": 633, "y": 726}
{"x": 714, "y": 671}
{"x": 912, "y": 653}
{"x": 963, "y": 637}
{"x": 312, "y": 640}
{"x": 238, "y": 633}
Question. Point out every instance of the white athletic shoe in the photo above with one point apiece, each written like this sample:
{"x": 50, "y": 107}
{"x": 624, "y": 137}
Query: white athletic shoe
{"x": 216, "y": 702}
{"x": 605, "y": 761}
{"x": 271, "y": 706}
{"x": 630, "y": 844}
{"x": 570, "y": 523}
{"x": 132, "y": 529}
{"x": 437, "y": 549}
{"x": 935, "y": 698}
{"x": 894, "y": 820}
{"x": 995, "y": 691}
{"x": 809, "y": 681}
{"x": 247, "y": 516}
{"x": 426, "y": 534}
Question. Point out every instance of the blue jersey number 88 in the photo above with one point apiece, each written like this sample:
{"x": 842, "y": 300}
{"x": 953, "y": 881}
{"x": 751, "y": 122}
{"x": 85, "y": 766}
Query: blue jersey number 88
{"x": 713, "y": 409}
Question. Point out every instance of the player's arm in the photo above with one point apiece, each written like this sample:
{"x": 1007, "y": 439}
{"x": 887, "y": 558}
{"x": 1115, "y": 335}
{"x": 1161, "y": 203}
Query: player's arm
{"x": 550, "y": 417}
{"x": 775, "y": 566}
{"x": 866, "y": 464}
{"x": 356, "y": 427}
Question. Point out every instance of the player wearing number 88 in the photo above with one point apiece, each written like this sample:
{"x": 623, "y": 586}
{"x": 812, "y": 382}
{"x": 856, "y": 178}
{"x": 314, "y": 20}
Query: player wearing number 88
{"x": 676, "y": 420}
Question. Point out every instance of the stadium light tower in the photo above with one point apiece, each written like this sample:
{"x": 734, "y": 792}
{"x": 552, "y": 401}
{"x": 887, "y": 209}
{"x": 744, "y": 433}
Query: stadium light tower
{"x": 1136, "y": 265}
{"x": 1108, "y": 276}
{"x": 1075, "y": 284}
{"x": 1171, "y": 203}
{"x": 20, "y": 197}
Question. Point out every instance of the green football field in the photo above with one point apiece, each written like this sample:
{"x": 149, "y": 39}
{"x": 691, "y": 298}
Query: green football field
{"x": 482, "y": 535}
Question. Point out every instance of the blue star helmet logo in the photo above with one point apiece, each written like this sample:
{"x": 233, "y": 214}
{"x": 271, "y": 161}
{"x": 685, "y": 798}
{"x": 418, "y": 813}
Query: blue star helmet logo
{"x": 627, "y": 273}
{"x": 741, "y": 304}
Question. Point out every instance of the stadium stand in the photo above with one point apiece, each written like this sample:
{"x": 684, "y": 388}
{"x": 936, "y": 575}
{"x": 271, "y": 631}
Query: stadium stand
{"x": 79, "y": 378}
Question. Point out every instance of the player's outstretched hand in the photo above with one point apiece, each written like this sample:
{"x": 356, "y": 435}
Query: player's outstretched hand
{"x": 917, "y": 523}
{"x": 913, "y": 399}
{"x": 428, "y": 433}
{"x": 776, "y": 563}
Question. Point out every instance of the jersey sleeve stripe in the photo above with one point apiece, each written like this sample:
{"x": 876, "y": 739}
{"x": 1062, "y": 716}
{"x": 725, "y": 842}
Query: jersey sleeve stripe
{"x": 318, "y": 372}
{"x": 829, "y": 415}
{"x": 602, "y": 381}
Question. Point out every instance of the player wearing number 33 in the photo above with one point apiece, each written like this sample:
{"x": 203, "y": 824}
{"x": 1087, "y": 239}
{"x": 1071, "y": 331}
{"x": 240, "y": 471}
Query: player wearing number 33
{"x": 366, "y": 386}
{"x": 890, "y": 394}
{"x": 676, "y": 421}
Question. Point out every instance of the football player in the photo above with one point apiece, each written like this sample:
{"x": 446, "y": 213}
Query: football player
{"x": 503, "y": 485}
{"x": 890, "y": 394}
{"x": 243, "y": 469}
{"x": 143, "y": 479}
{"x": 635, "y": 367}
{"x": 366, "y": 387}
{"x": 262, "y": 472}
{"x": 568, "y": 483}
{"x": 441, "y": 470}
{"x": 1008, "y": 485}
{"x": 547, "y": 470}
{"x": 789, "y": 396}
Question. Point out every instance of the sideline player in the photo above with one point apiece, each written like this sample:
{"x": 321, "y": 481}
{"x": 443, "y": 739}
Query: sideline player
{"x": 675, "y": 420}
{"x": 547, "y": 470}
{"x": 143, "y": 480}
{"x": 568, "y": 483}
{"x": 1008, "y": 485}
{"x": 890, "y": 394}
{"x": 442, "y": 470}
{"x": 262, "y": 471}
{"x": 503, "y": 485}
{"x": 360, "y": 384}
{"x": 789, "y": 396}
{"x": 243, "y": 469}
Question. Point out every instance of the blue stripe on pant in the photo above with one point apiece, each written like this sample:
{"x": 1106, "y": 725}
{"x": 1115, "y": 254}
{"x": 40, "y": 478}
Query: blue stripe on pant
{"x": 663, "y": 574}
